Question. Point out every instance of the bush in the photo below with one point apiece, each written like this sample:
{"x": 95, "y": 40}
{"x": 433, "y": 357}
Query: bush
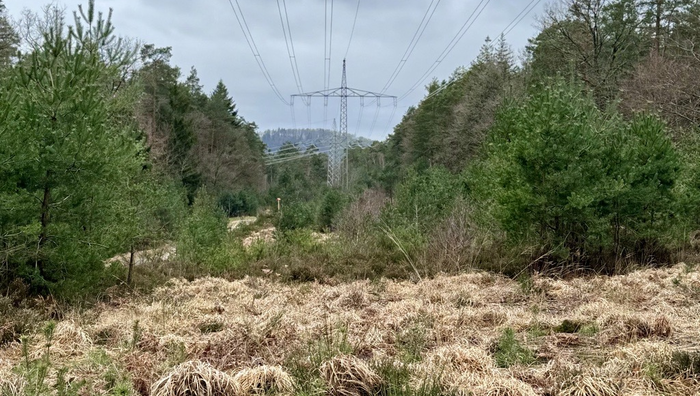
{"x": 203, "y": 231}
{"x": 585, "y": 185}
{"x": 425, "y": 198}
{"x": 331, "y": 206}
{"x": 239, "y": 204}
{"x": 294, "y": 216}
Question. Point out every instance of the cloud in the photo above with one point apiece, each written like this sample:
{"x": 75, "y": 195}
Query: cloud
{"x": 207, "y": 36}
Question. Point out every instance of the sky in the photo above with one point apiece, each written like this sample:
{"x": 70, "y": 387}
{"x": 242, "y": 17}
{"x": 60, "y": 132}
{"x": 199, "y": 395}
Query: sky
{"x": 207, "y": 35}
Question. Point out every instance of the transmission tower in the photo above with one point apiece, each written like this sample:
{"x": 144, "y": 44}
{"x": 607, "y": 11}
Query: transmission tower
{"x": 335, "y": 158}
{"x": 338, "y": 157}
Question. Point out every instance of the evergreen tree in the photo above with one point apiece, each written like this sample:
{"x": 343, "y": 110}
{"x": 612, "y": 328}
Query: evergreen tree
{"x": 221, "y": 101}
{"x": 64, "y": 157}
{"x": 8, "y": 39}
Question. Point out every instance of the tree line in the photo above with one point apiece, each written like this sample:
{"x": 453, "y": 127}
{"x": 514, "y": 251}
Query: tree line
{"x": 104, "y": 146}
{"x": 584, "y": 153}
{"x": 581, "y": 154}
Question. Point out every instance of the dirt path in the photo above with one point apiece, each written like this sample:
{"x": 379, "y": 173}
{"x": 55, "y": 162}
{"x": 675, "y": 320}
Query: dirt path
{"x": 235, "y": 222}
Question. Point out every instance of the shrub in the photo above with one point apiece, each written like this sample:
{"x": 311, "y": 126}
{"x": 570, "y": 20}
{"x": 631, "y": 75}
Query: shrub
{"x": 294, "y": 216}
{"x": 239, "y": 204}
{"x": 331, "y": 206}
{"x": 427, "y": 197}
{"x": 585, "y": 185}
{"x": 203, "y": 231}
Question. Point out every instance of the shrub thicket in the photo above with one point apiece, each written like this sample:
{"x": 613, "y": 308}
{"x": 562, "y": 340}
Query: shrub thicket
{"x": 583, "y": 185}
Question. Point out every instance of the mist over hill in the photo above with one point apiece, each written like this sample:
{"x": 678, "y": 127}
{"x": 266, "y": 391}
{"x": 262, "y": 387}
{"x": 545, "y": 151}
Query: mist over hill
{"x": 304, "y": 138}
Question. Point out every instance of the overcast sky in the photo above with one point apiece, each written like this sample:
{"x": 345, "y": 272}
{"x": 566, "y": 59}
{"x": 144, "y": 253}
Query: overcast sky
{"x": 206, "y": 35}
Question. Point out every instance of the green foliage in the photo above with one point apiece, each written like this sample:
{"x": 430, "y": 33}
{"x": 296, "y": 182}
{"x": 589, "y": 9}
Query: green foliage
{"x": 238, "y": 204}
{"x": 294, "y": 216}
{"x": 398, "y": 381}
{"x": 425, "y": 198}
{"x": 578, "y": 182}
{"x": 66, "y": 154}
{"x": 36, "y": 372}
{"x": 8, "y": 39}
{"x": 305, "y": 363}
{"x": 450, "y": 124}
{"x": 202, "y": 233}
{"x": 331, "y": 206}
{"x": 509, "y": 351}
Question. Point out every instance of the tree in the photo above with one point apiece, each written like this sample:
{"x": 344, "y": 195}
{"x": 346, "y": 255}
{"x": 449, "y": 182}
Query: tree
{"x": 8, "y": 39}
{"x": 582, "y": 184}
{"x": 598, "y": 40}
{"x": 64, "y": 154}
{"x": 229, "y": 150}
{"x": 451, "y": 123}
{"x": 665, "y": 82}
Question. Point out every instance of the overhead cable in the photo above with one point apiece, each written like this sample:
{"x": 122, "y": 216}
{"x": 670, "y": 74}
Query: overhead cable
{"x": 289, "y": 42}
{"x": 254, "y": 48}
{"x": 451, "y": 45}
{"x": 352, "y": 31}
{"x": 519, "y": 18}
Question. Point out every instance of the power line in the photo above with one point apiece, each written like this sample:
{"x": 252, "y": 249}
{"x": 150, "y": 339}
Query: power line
{"x": 321, "y": 150}
{"x": 289, "y": 42}
{"x": 519, "y": 18}
{"x": 290, "y": 153}
{"x": 359, "y": 117}
{"x": 298, "y": 146}
{"x": 412, "y": 45}
{"x": 330, "y": 46}
{"x": 451, "y": 45}
{"x": 327, "y": 51}
{"x": 376, "y": 116}
{"x": 509, "y": 28}
{"x": 352, "y": 32}
{"x": 374, "y": 120}
{"x": 391, "y": 118}
{"x": 293, "y": 158}
{"x": 254, "y": 49}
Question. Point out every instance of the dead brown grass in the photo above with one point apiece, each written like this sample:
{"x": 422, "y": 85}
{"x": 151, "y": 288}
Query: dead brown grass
{"x": 630, "y": 328}
{"x": 265, "y": 380}
{"x": 349, "y": 376}
{"x": 195, "y": 378}
{"x": 11, "y": 385}
{"x": 589, "y": 384}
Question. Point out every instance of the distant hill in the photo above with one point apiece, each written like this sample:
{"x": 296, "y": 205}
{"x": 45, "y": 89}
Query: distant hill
{"x": 303, "y": 138}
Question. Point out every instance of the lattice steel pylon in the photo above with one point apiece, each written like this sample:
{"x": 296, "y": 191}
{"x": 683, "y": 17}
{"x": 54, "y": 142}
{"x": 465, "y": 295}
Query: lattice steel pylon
{"x": 335, "y": 159}
{"x": 338, "y": 155}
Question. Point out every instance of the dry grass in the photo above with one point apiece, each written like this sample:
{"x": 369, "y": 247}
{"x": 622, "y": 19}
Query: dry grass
{"x": 350, "y": 376}
{"x": 440, "y": 330}
{"x": 265, "y": 380}
{"x": 590, "y": 385}
{"x": 195, "y": 378}
{"x": 11, "y": 385}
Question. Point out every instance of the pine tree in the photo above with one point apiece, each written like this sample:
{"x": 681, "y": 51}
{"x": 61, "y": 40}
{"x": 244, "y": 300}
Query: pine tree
{"x": 8, "y": 39}
{"x": 67, "y": 157}
{"x": 222, "y": 102}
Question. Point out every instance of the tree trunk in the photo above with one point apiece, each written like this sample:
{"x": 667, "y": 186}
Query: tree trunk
{"x": 45, "y": 220}
{"x": 131, "y": 265}
{"x": 657, "y": 27}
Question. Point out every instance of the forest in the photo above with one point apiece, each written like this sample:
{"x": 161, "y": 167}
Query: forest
{"x": 576, "y": 161}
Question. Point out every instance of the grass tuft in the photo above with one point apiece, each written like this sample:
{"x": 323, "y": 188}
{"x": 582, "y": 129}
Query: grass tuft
{"x": 568, "y": 326}
{"x": 509, "y": 351}
{"x": 195, "y": 378}
{"x": 349, "y": 376}
{"x": 589, "y": 385}
{"x": 12, "y": 386}
{"x": 265, "y": 380}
